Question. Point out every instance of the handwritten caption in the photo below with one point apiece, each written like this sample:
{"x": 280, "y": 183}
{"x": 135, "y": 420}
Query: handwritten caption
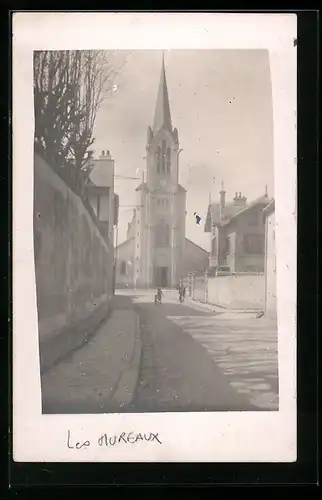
{"x": 109, "y": 441}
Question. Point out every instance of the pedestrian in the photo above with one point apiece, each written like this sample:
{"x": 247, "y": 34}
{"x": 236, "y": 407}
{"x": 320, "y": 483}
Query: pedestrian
{"x": 181, "y": 292}
{"x": 159, "y": 295}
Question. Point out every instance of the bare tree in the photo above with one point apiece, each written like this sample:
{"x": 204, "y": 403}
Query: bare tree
{"x": 69, "y": 88}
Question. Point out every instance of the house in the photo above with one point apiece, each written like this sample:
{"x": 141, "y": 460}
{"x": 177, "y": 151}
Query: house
{"x": 100, "y": 193}
{"x": 270, "y": 260}
{"x": 237, "y": 233}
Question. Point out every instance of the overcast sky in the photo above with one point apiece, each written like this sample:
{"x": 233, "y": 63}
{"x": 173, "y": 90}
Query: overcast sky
{"x": 221, "y": 103}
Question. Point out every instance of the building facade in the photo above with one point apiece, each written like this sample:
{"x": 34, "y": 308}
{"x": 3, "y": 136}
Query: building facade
{"x": 103, "y": 199}
{"x": 154, "y": 251}
{"x": 270, "y": 261}
{"x": 237, "y": 234}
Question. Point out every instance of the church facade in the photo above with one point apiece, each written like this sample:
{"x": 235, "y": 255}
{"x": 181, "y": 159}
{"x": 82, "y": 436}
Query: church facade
{"x": 154, "y": 253}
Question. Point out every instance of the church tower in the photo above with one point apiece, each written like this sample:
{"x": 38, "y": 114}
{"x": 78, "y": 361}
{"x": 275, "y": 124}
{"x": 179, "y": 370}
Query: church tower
{"x": 162, "y": 199}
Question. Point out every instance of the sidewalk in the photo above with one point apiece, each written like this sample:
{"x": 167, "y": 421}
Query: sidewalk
{"x": 101, "y": 376}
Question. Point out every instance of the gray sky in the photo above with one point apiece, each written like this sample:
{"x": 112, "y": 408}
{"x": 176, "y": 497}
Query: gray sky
{"x": 220, "y": 102}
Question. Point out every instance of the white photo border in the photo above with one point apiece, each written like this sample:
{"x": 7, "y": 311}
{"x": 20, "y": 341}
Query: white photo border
{"x": 186, "y": 437}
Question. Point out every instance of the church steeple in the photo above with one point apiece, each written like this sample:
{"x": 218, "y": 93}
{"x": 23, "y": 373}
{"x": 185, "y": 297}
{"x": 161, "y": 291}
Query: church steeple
{"x": 162, "y": 117}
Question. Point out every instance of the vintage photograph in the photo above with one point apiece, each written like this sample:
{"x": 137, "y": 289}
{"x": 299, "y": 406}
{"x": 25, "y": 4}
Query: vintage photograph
{"x": 154, "y": 231}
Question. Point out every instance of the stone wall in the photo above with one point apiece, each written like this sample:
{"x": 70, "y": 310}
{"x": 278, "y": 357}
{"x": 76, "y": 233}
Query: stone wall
{"x": 245, "y": 291}
{"x": 73, "y": 264}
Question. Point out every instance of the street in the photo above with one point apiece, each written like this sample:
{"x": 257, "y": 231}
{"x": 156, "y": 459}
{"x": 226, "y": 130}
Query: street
{"x": 194, "y": 359}
{"x": 148, "y": 357}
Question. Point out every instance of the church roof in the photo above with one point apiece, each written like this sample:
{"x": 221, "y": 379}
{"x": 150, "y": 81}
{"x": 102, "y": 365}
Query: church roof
{"x": 162, "y": 116}
{"x": 190, "y": 242}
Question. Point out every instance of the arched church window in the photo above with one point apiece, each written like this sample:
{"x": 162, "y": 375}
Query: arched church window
{"x": 158, "y": 155}
{"x": 162, "y": 234}
{"x": 168, "y": 160}
{"x": 163, "y": 156}
{"x": 123, "y": 267}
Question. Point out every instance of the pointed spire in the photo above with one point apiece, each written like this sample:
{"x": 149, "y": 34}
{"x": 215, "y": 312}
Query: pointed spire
{"x": 162, "y": 115}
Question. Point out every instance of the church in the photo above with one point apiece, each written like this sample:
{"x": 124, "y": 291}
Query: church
{"x": 156, "y": 251}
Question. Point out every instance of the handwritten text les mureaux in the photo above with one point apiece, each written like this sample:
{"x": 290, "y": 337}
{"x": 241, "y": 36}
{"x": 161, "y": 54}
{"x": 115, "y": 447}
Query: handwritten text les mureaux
{"x": 108, "y": 441}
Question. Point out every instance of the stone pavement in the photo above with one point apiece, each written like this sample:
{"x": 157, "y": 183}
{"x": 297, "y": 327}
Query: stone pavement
{"x": 177, "y": 373}
{"x": 243, "y": 348}
{"x": 101, "y": 376}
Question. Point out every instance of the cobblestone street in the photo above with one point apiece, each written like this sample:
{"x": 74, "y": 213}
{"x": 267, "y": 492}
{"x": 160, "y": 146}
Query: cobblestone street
{"x": 193, "y": 359}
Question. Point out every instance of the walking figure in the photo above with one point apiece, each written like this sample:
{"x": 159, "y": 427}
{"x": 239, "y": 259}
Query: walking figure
{"x": 158, "y": 296}
{"x": 182, "y": 292}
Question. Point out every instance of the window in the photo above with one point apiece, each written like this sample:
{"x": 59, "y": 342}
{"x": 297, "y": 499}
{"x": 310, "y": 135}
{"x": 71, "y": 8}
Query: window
{"x": 158, "y": 155}
{"x": 168, "y": 160}
{"x": 163, "y": 153}
{"x": 162, "y": 234}
{"x": 137, "y": 246}
{"x": 123, "y": 267}
{"x": 254, "y": 244}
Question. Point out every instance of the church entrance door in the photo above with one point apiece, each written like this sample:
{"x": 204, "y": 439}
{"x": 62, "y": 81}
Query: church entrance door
{"x": 161, "y": 277}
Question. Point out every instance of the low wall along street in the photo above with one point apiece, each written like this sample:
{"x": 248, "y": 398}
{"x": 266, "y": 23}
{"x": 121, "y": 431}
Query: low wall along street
{"x": 244, "y": 291}
{"x": 73, "y": 266}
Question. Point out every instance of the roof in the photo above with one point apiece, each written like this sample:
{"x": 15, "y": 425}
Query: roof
{"x": 162, "y": 116}
{"x": 195, "y": 245}
{"x": 262, "y": 200}
{"x": 270, "y": 208}
{"x": 102, "y": 174}
{"x": 231, "y": 211}
{"x": 125, "y": 242}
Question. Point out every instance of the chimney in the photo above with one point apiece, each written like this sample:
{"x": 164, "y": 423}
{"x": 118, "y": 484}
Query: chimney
{"x": 240, "y": 199}
{"x": 222, "y": 201}
{"x": 102, "y": 154}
